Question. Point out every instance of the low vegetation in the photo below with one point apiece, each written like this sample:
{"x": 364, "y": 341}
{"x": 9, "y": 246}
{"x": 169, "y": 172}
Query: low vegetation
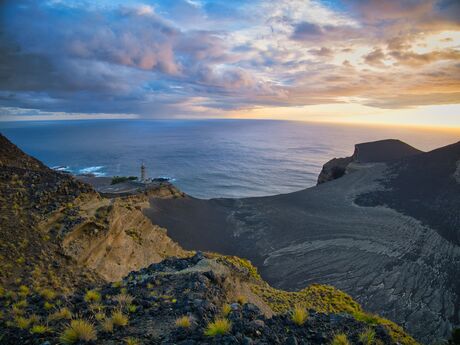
{"x": 218, "y": 327}
{"x": 92, "y": 296}
{"x": 132, "y": 341}
{"x": 63, "y": 313}
{"x": 321, "y": 298}
{"x": 183, "y": 322}
{"x": 119, "y": 319}
{"x": 299, "y": 315}
{"x": 226, "y": 309}
{"x": 367, "y": 337}
{"x": 340, "y": 339}
{"x": 78, "y": 331}
{"x": 120, "y": 179}
{"x": 107, "y": 325}
{"x": 39, "y": 329}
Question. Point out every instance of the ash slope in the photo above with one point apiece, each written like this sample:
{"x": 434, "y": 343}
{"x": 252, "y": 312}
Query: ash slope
{"x": 393, "y": 263}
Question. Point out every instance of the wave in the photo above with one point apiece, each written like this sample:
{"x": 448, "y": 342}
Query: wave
{"x": 61, "y": 168}
{"x": 167, "y": 178}
{"x": 91, "y": 170}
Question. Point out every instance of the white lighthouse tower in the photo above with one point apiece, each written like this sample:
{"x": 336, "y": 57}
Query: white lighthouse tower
{"x": 143, "y": 173}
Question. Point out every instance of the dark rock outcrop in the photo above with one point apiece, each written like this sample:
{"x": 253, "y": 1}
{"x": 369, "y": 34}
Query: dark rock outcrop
{"x": 371, "y": 152}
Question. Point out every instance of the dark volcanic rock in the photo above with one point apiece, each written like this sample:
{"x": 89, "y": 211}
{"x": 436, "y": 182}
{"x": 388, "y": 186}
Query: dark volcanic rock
{"x": 180, "y": 287}
{"x": 426, "y": 187}
{"x": 371, "y": 152}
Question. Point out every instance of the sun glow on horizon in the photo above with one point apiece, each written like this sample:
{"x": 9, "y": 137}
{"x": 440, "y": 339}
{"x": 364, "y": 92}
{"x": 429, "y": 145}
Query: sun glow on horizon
{"x": 430, "y": 116}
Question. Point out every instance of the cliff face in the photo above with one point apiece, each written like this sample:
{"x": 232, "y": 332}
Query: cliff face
{"x": 115, "y": 238}
{"x": 373, "y": 152}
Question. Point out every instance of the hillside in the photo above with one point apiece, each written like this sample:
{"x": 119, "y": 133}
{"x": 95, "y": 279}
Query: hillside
{"x": 51, "y": 224}
{"x": 391, "y": 254}
{"x": 430, "y": 186}
{"x": 67, "y": 252}
{"x": 150, "y": 307}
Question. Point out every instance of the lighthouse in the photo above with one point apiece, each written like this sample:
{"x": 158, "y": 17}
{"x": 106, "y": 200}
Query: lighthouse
{"x": 143, "y": 174}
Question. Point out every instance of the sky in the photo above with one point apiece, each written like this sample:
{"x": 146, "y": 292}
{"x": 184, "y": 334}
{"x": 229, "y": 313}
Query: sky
{"x": 356, "y": 61}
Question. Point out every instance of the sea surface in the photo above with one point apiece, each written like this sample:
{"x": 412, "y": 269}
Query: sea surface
{"x": 206, "y": 158}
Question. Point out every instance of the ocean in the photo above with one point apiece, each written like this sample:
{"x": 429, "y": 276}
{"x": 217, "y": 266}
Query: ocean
{"x": 206, "y": 158}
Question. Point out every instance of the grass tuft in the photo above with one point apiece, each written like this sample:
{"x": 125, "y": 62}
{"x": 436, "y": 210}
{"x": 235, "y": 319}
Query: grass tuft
{"x": 22, "y": 322}
{"x": 183, "y": 322}
{"x": 24, "y": 291}
{"x": 226, "y": 309}
{"x": 107, "y": 325}
{"x": 92, "y": 296}
{"x": 340, "y": 339}
{"x": 218, "y": 327}
{"x": 119, "y": 319}
{"x": 299, "y": 315}
{"x": 78, "y": 330}
{"x": 123, "y": 299}
{"x": 63, "y": 313}
{"x": 131, "y": 341}
{"x": 48, "y": 294}
{"x": 241, "y": 299}
{"x": 39, "y": 329}
{"x": 367, "y": 337}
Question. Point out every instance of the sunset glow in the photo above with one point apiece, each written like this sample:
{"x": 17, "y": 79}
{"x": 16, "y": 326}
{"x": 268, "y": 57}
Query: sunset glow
{"x": 395, "y": 62}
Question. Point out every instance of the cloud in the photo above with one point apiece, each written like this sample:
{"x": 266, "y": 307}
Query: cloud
{"x": 375, "y": 57}
{"x": 414, "y": 59}
{"x": 162, "y": 58}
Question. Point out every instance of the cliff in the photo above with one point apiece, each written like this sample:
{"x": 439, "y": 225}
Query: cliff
{"x": 372, "y": 152}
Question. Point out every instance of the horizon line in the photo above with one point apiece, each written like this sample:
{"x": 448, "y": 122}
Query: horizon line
{"x": 131, "y": 117}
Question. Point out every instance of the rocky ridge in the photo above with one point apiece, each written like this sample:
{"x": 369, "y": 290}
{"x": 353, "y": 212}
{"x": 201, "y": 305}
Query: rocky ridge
{"x": 365, "y": 155}
{"x": 200, "y": 289}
